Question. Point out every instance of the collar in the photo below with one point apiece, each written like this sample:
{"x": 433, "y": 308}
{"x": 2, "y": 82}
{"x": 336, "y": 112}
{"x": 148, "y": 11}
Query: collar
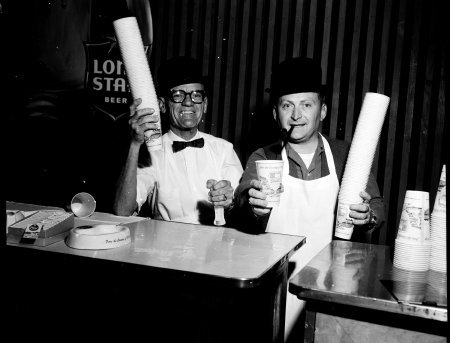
{"x": 174, "y": 137}
{"x": 319, "y": 149}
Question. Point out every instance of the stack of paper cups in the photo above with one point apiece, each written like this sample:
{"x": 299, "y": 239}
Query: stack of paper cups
{"x": 436, "y": 291}
{"x": 360, "y": 159}
{"x": 138, "y": 73}
{"x": 415, "y": 219}
{"x": 409, "y": 285}
{"x": 438, "y": 259}
{"x": 412, "y": 245}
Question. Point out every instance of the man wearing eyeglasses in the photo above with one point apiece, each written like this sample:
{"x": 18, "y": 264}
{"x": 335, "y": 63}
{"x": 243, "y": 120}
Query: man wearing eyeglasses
{"x": 194, "y": 171}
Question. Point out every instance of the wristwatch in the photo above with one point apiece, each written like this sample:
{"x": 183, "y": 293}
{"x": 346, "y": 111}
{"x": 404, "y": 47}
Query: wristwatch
{"x": 373, "y": 220}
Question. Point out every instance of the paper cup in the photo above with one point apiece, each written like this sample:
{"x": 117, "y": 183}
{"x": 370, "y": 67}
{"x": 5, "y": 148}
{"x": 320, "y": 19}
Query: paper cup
{"x": 270, "y": 173}
{"x": 344, "y": 225}
{"x": 440, "y": 202}
{"x": 138, "y": 73}
{"x": 83, "y": 205}
{"x": 360, "y": 157}
{"x": 363, "y": 147}
{"x": 415, "y": 218}
{"x": 219, "y": 217}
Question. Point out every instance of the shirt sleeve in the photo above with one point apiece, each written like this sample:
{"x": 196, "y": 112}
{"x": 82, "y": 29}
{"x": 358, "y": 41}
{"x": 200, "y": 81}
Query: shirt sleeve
{"x": 146, "y": 178}
{"x": 369, "y": 233}
{"x": 247, "y": 220}
{"x": 232, "y": 167}
{"x": 377, "y": 206}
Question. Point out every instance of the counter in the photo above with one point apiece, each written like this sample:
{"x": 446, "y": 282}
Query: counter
{"x": 174, "y": 281}
{"x": 353, "y": 293}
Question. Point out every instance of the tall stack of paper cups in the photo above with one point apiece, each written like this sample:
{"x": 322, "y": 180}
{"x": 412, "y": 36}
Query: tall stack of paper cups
{"x": 360, "y": 159}
{"x": 138, "y": 72}
{"x": 438, "y": 258}
{"x": 412, "y": 245}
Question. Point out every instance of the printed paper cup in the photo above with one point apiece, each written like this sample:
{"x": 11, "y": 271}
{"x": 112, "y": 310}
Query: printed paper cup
{"x": 270, "y": 173}
{"x": 440, "y": 202}
{"x": 344, "y": 225}
{"x": 415, "y": 218}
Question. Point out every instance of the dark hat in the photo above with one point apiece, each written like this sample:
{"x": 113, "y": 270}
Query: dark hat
{"x": 296, "y": 75}
{"x": 179, "y": 71}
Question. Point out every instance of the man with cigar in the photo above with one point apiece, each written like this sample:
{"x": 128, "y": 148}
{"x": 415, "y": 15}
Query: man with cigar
{"x": 312, "y": 172}
{"x": 194, "y": 171}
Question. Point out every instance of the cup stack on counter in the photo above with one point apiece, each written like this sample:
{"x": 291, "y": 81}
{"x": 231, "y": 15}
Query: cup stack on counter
{"x": 438, "y": 258}
{"x": 436, "y": 288}
{"x": 409, "y": 285}
{"x": 412, "y": 245}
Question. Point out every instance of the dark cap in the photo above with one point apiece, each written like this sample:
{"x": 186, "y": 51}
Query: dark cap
{"x": 179, "y": 71}
{"x": 296, "y": 75}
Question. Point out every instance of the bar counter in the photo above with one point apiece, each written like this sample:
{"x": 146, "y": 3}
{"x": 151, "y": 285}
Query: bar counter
{"x": 173, "y": 282}
{"x": 353, "y": 293}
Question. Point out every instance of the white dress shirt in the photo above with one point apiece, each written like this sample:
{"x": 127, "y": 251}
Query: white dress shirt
{"x": 175, "y": 183}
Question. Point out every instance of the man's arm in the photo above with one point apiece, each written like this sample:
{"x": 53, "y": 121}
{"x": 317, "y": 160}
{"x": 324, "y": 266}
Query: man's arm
{"x": 140, "y": 120}
{"x": 125, "y": 200}
{"x": 377, "y": 206}
{"x": 247, "y": 220}
{"x": 369, "y": 216}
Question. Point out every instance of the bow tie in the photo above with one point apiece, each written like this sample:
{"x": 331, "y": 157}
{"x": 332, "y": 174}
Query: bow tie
{"x": 180, "y": 145}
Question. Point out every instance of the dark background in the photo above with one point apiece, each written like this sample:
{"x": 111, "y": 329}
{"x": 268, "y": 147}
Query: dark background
{"x": 57, "y": 143}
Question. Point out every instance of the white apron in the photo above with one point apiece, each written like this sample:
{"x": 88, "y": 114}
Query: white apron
{"x": 306, "y": 209}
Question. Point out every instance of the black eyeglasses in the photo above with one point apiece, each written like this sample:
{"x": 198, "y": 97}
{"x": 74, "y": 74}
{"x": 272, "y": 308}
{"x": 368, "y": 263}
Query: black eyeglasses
{"x": 179, "y": 95}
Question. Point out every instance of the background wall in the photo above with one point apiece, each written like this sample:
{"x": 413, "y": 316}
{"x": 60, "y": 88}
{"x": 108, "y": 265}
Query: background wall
{"x": 397, "y": 48}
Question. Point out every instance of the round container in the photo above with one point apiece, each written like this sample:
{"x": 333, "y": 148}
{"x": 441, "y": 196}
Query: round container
{"x": 98, "y": 237}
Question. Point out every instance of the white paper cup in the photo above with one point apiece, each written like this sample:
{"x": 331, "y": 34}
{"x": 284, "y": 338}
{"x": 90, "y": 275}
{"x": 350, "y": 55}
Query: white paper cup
{"x": 138, "y": 73}
{"x": 440, "y": 203}
{"x": 363, "y": 147}
{"x": 83, "y": 205}
{"x": 270, "y": 173}
{"x": 344, "y": 225}
{"x": 415, "y": 219}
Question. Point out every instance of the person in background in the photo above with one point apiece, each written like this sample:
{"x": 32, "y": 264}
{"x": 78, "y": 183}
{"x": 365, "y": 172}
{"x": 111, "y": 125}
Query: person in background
{"x": 312, "y": 172}
{"x": 194, "y": 171}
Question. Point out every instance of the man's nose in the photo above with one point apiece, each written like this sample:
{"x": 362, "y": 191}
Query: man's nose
{"x": 296, "y": 113}
{"x": 186, "y": 101}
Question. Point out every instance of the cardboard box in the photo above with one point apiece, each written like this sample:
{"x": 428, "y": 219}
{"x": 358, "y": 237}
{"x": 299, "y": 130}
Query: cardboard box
{"x": 55, "y": 226}
{"x": 40, "y": 242}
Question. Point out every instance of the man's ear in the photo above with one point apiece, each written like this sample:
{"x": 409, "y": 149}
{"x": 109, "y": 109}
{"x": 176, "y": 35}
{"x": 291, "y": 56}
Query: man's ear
{"x": 276, "y": 117}
{"x": 162, "y": 104}
{"x": 323, "y": 112}
{"x": 205, "y": 105}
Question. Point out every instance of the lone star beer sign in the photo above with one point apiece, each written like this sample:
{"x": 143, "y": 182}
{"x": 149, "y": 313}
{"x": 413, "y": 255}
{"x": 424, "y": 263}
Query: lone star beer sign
{"x": 105, "y": 79}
